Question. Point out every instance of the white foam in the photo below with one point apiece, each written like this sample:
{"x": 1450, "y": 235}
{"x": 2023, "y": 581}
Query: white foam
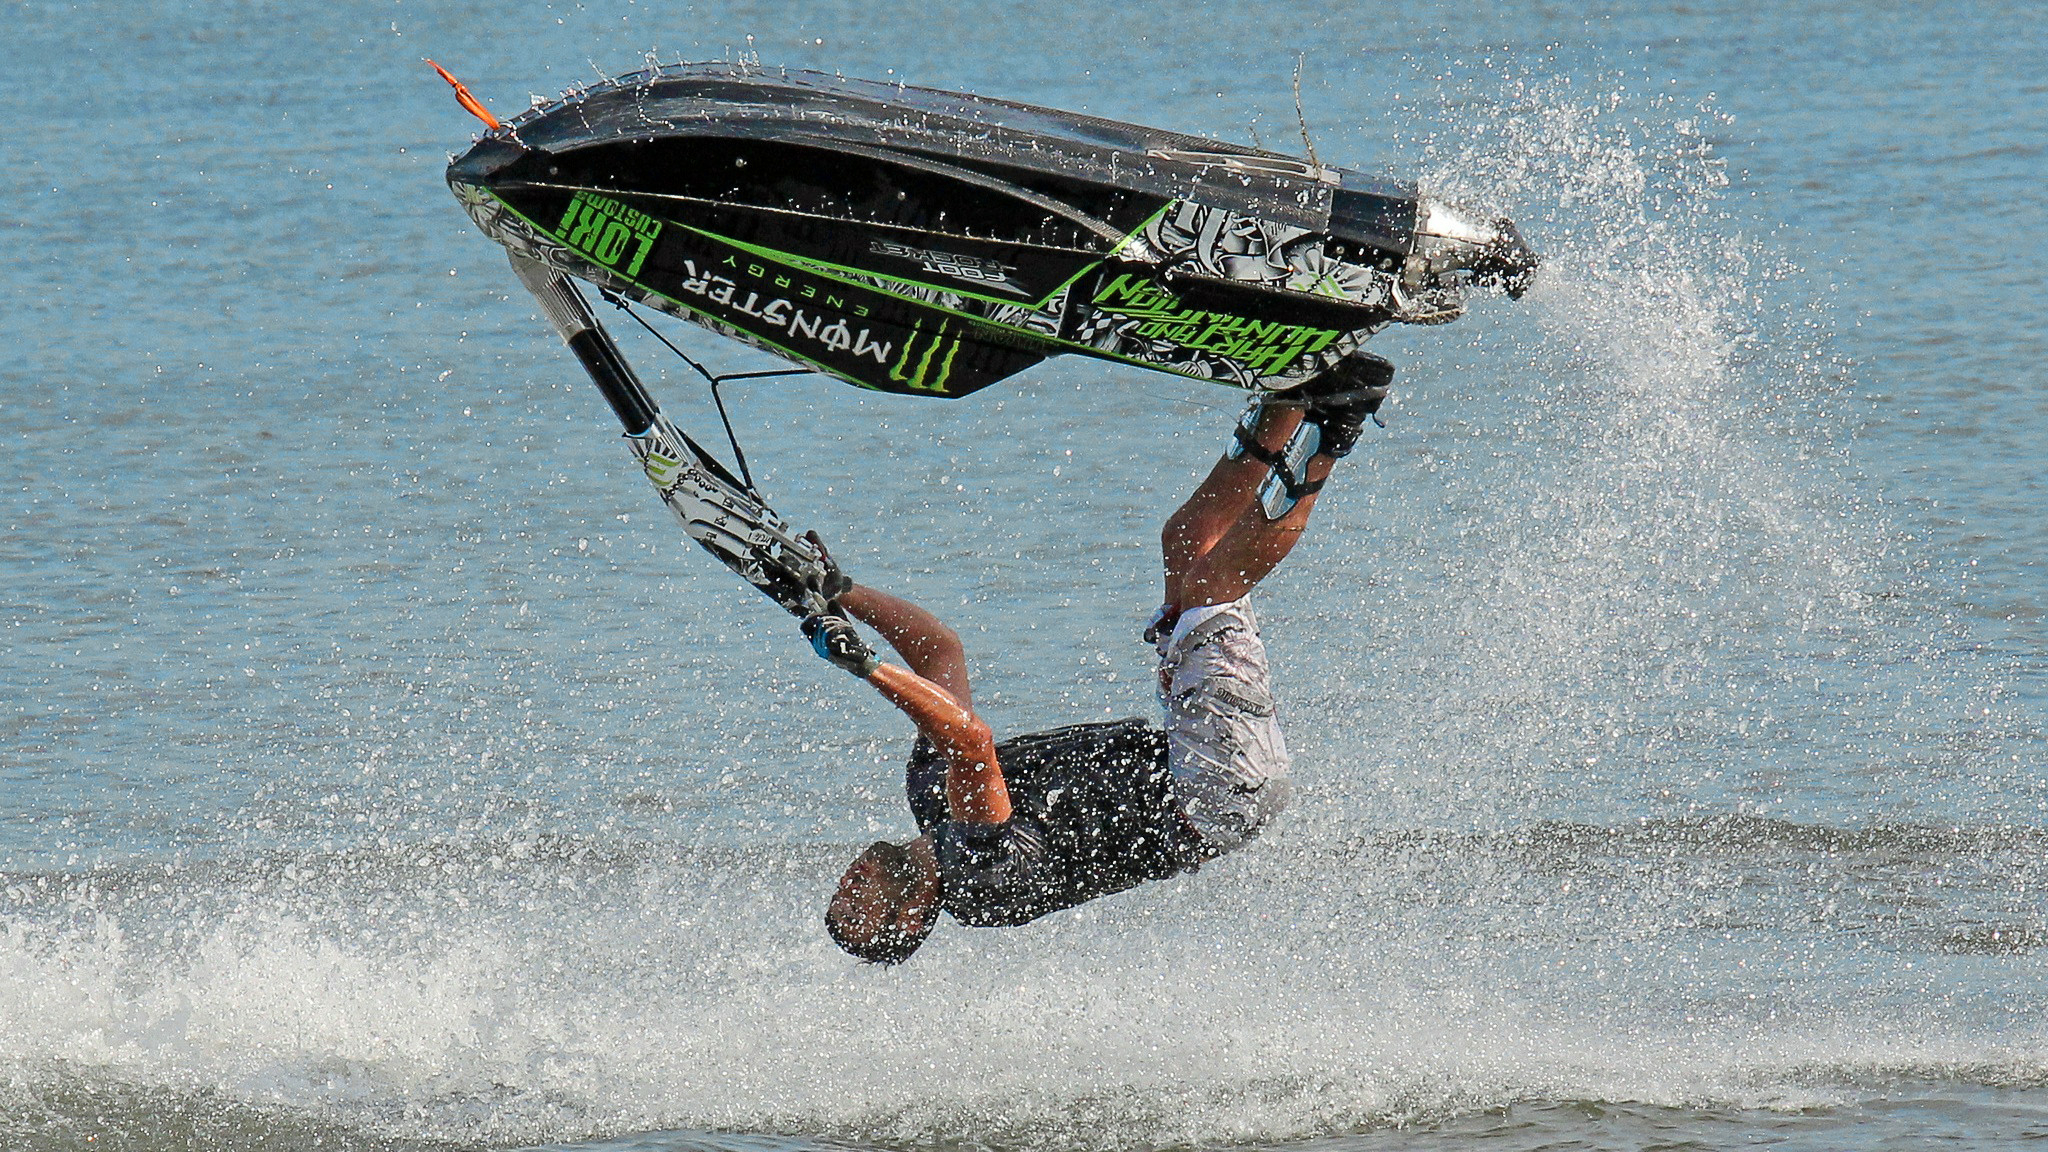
{"x": 1606, "y": 542}
{"x": 1276, "y": 996}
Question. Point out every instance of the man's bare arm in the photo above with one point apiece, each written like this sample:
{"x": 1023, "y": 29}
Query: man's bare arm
{"x": 975, "y": 791}
{"x": 927, "y": 645}
{"x": 933, "y": 691}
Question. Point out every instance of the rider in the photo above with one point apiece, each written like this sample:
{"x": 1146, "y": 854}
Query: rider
{"x": 1009, "y": 832}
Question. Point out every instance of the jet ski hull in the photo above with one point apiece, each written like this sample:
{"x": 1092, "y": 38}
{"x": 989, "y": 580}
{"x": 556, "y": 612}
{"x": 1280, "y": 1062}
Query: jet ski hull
{"x": 933, "y": 243}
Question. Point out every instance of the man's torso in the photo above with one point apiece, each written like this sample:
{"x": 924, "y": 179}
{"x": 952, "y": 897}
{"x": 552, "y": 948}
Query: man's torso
{"x": 1093, "y": 813}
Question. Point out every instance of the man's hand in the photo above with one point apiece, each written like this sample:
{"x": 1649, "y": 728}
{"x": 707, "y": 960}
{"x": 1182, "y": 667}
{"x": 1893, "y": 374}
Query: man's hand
{"x": 834, "y": 638}
{"x": 831, "y": 583}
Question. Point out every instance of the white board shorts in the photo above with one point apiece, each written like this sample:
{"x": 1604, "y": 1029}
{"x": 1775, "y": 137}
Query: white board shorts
{"x": 1224, "y": 749}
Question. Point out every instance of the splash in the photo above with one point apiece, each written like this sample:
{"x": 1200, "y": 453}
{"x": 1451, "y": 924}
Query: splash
{"x": 1627, "y": 560}
{"x": 515, "y": 991}
{"x": 1627, "y": 611}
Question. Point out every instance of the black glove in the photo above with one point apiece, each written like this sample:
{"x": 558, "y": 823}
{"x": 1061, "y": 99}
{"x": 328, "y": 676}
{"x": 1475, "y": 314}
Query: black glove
{"x": 834, "y": 638}
{"x": 830, "y": 584}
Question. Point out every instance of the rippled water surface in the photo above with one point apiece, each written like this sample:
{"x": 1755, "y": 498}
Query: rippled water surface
{"x": 384, "y": 770}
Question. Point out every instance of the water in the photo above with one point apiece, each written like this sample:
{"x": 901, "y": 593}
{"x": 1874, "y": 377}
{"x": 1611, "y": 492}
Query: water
{"x": 385, "y": 771}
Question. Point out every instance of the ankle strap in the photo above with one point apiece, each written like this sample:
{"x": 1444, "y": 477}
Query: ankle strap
{"x": 1248, "y": 445}
{"x": 1297, "y": 490}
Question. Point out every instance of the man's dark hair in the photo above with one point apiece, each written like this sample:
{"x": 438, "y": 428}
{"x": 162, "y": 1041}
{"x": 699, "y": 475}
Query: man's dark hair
{"x": 885, "y": 944}
{"x": 888, "y": 945}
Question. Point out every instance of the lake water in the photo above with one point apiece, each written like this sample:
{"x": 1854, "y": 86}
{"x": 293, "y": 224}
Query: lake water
{"x": 381, "y": 768}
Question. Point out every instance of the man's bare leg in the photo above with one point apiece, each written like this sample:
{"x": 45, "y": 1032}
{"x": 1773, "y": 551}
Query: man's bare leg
{"x": 1250, "y": 549}
{"x": 1218, "y": 545}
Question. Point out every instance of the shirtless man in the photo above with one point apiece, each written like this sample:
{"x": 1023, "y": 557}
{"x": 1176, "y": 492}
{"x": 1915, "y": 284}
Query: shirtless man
{"x": 1009, "y": 832}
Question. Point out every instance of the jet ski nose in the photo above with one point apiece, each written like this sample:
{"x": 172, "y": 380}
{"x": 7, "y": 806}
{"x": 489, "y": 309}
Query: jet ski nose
{"x": 1450, "y": 240}
{"x": 488, "y": 163}
{"x": 1508, "y": 263}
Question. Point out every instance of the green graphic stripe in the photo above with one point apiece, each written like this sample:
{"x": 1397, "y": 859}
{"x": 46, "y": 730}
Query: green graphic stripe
{"x": 821, "y": 269}
{"x": 790, "y": 353}
{"x": 843, "y": 272}
{"x": 1147, "y": 222}
{"x": 799, "y": 264}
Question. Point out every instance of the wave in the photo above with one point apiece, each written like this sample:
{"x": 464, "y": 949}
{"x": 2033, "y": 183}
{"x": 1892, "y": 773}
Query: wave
{"x": 506, "y": 991}
{"x": 1629, "y": 800}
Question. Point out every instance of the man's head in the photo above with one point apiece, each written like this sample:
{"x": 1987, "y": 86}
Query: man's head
{"x": 887, "y": 902}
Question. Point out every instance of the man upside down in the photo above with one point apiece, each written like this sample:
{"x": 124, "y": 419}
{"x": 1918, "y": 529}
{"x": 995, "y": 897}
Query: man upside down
{"x": 1012, "y": 831}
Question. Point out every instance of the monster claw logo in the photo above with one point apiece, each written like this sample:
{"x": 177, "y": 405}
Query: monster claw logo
{"x": 926, "y": 363}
